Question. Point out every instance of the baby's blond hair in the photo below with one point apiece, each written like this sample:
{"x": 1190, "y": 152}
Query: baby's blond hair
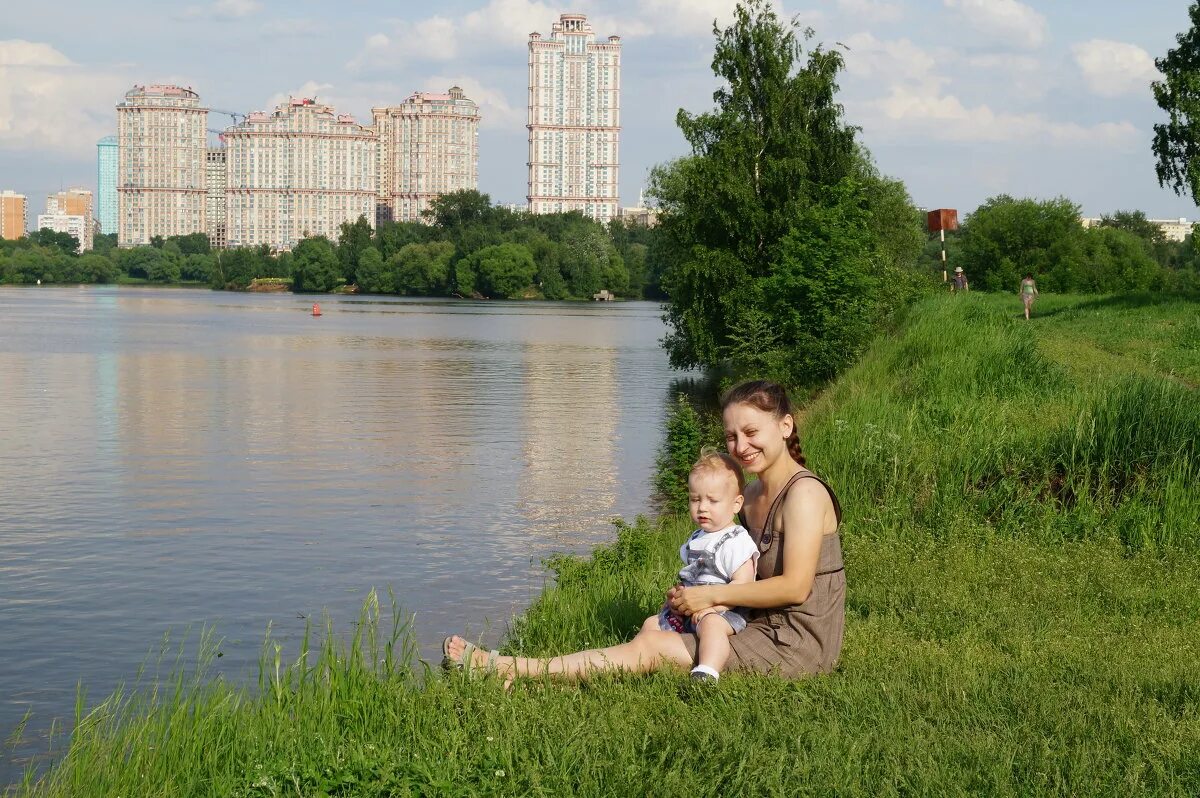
{"x": 713, "y": 461}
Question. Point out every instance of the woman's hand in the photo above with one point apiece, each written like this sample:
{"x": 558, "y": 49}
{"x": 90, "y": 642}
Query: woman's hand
{"x": 690, "y": 600}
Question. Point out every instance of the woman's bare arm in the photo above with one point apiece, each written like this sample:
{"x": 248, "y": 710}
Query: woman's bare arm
{"x": 805, "y": 514}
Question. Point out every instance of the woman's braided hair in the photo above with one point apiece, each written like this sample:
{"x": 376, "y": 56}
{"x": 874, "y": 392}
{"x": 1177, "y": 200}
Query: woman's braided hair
{"x": 769, "y": 397}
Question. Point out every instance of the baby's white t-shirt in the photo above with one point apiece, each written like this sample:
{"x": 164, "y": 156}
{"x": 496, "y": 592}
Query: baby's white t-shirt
{"x": 701, "y": 567}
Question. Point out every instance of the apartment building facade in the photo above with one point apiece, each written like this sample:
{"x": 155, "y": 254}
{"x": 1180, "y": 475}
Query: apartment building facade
{"x": 300, "y": 171}
{"x": 574, "y": 120}
{"x": 14, "y": 208}
{"x": 70, "y": 211}
{"x": 214, "y": 199}
{"x": 428, "y": 146}
{"x": 161, "y": 140}
{"x": 107, "y": 158}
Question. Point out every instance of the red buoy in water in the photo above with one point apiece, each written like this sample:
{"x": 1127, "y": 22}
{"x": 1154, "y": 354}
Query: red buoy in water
{"x": 316, "y": 309}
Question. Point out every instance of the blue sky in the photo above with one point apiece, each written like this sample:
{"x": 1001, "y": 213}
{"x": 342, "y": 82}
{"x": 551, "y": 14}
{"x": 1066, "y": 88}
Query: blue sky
{"x": 961, "y": 99}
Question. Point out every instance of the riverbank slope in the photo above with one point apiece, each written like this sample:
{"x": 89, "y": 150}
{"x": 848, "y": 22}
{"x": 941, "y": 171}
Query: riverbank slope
{"x": 1022, "y": 538}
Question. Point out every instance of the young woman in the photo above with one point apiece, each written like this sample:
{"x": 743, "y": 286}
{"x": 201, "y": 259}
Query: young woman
{"x": 796, "y": 606}
{"x": 1028, "y": 293}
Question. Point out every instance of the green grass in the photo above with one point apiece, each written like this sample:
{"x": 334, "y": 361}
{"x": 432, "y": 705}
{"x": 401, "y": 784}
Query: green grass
{"x": 1023, "y": 613}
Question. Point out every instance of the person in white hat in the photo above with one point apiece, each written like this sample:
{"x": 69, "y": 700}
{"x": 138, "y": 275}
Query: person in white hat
{"x": 959, "y": 283}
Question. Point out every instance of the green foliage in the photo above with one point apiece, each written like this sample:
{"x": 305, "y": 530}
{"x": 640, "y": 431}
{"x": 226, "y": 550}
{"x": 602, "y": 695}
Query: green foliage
{"x": 775, "y": 199}
{"x": 233, "y": 269}
{"x": 191, "y": 244}
{"x": 354, "y": 239}
{"x": 1176, "y": 144}
{"x": 1006, "y": 238}
{"x": 314, "y": 265}
{"x": 373, "y": 277}
{"x": 505, "y": 270}
{"x": 687, "y": 432}
{"x": 64, "y": 242}
{"x": 460, "y": 208}
{"x": 423, "y": 269}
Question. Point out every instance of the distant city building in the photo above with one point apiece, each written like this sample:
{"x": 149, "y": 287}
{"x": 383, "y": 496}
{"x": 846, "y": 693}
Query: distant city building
{"x": 106, "y": 184}
{"x": 428, "y": 146}
{"x": 161, "y": 141}
{"x": 13, "y": 210}
{"x": 214, "y": 199}
{"x": 640, "y": 214}
{"x": 1173, "y": 229}
{"x": 297, "y": 172}
{"x": 71, "y": 212}
{"x": 574, "y": 120}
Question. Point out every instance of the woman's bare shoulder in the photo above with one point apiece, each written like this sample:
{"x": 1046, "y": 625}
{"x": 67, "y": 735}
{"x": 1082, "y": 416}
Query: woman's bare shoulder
{"x": 809, "y": 498}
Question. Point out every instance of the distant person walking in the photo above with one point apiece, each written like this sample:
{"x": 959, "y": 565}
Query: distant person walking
{"x": 959, "y": 283}
{"x": 1028, "y": 292}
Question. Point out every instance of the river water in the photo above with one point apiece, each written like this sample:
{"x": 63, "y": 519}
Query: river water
{"x": 174, "y": 459}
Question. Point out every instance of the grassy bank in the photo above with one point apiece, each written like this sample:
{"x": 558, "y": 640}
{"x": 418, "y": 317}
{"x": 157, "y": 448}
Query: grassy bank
{"x": 1024, "y": 612}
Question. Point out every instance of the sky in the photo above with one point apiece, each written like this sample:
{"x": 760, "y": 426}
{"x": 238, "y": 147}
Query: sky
{"x": 960, "y": 99}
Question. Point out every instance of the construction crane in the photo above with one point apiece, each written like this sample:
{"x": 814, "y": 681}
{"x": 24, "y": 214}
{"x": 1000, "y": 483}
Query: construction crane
{"x": 234, "y": 115}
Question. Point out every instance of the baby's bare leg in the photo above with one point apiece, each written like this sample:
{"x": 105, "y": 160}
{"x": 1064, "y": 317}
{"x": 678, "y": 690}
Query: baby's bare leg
{"x": 714, "y": 632}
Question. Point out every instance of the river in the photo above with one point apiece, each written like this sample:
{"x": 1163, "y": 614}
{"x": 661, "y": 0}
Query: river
{"x": 179, "y": 459}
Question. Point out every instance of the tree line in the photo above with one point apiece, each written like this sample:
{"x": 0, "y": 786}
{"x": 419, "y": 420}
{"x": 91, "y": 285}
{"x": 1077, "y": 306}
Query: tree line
{"x": 1006, "y": 238}
{"x": 467, "y": 247}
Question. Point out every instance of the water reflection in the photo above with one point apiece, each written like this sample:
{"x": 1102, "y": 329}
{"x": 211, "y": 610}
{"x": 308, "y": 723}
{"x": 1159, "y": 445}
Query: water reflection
{"x": 177, "y": 458}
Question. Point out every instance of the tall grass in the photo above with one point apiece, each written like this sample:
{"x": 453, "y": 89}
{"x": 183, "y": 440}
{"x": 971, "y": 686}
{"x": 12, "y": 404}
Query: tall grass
{"x": 1023, "y": 613}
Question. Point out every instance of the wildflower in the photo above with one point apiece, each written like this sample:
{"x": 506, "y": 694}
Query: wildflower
{"x": 491, "y": 739}
{"x": 500, "y": 773}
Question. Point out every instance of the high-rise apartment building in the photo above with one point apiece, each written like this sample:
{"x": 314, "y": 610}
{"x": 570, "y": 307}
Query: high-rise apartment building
{"x": 71, "y": 212}
{"x": 299, "y": 171}
{"x": 106, "y": 184}
{"x": 161, "y": 140}
{"x": 13, "y": 209}
{"x": 428, "y": 146}
{"x": 574, "y": 120}
{"x": 214, "y": 200}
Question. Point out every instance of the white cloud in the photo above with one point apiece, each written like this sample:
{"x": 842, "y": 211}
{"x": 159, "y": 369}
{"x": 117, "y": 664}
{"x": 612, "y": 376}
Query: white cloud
{"x": 293, "y": 27}
{"x": 872, "y": 11}
{"x": 1006, "y": 20}
{"x": 438, "y": 38}
{"x": 913, "y": 114}
{"x": 50, "y": 104}
{"x": 494, "y": 106}
{"x": 896, "y": 61}
{"x": 506, "y": 24}
{"x": 1112, "y": 69}
{"x": 222, "y": 10}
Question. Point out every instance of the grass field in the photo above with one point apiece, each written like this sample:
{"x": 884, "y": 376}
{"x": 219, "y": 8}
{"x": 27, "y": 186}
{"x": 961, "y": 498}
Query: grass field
{"x": 1022, "y": 538}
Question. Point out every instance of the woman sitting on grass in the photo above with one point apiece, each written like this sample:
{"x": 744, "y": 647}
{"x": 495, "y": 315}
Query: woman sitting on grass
{"x": 796, "y": 607}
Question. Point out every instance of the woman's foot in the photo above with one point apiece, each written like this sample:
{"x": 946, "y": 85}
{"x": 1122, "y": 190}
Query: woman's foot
{"x": 458, "y": 652}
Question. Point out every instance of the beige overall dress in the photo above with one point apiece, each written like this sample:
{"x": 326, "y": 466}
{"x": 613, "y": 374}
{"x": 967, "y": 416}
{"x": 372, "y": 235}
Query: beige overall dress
{"x": 800, "y": 639}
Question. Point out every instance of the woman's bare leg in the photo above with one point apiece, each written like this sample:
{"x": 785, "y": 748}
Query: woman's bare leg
{"x": 650, "y": 650}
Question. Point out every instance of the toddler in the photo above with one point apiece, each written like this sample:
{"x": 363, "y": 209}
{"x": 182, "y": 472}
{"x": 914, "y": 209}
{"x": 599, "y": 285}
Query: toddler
{"x": 720, "y": 551}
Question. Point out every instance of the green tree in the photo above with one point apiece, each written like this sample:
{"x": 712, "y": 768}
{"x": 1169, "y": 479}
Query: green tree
{"x": 95, "y": 268}
{"x": 1135, "y": 222}
{"x": 233, "y": 269}
{"x": 373, "y": 277}
{"x": 423, "y": 269}
{"x": 505, "y": 270}
{"x": 314, "y": 265}
{"x": 1176, "y": 144}
{"x": 49, "y": 238}
{"x": 104, "y": 243}
{"x": 773, "y": 177}
{"x": 140, "y": 262}
{"x": 1005, "y": 238}
{"x": 354, "y": 238}
{"x": 459, "y": 208}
